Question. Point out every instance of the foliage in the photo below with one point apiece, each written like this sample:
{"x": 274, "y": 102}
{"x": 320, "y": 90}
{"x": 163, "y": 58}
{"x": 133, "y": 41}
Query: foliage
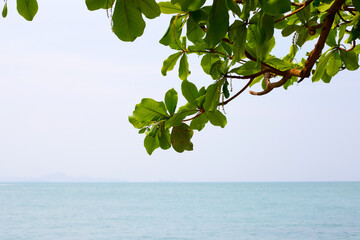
{"x": 235, "y": 39}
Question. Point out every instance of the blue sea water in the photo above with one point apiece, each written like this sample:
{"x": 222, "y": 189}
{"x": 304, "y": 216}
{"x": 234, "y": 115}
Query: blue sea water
{"x": 180, "y": 211}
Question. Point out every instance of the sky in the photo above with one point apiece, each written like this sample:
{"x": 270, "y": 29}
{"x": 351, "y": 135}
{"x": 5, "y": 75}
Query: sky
{"x": 68, "y": 85}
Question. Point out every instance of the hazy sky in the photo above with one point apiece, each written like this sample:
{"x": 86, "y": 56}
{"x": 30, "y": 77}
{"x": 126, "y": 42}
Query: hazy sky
{"x": 68, "y": 85}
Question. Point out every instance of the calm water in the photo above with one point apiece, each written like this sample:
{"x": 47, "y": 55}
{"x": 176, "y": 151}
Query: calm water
{"x": 174, "y": 211}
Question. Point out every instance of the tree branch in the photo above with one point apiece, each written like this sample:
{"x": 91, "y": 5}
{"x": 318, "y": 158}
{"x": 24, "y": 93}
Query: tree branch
{"x": 316, "y": 52}
{"x": 237, "y": 94}
{"x": 303, "y": 5}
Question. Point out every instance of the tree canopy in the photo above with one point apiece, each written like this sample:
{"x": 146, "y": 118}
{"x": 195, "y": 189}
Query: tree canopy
{"x": 235, "y": 40}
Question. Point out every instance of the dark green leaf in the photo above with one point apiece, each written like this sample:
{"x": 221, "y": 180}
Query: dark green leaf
{"x": 128, "y": 23}
{"x": 4, "y": 11}
{"x": 173, "y": 33}
{"x": 148, "y": 7}
{"x": 171, "y": 99}
{"x": 218, "y": 22}
{"x": 170, "y": 63}
{"x": 276, "y": 7}
{"x": 94, "y": 4}
{"x": 217, "y": 70}
{"x": 27, "y": 8}
{"x": 164, "y": 138}
{"x": 180, "y": 138}
{"x": 234, "y": 7}
{"x": 225, "y": 89}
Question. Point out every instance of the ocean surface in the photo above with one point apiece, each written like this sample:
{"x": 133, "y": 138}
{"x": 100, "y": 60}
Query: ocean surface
{"x": 180, "y": 211}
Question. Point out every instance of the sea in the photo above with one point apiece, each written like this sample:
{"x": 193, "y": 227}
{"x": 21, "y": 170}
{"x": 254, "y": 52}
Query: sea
{"x": 180, "y": 211}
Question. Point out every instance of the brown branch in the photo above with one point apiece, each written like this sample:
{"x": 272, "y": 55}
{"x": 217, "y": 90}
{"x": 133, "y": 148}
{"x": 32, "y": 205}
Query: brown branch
{"x": 237, "y": 94}
{"x": 316, "y": 52}
{"x": 341, "y": 17}
{"x": 303, "y": 5}
{"x": 352, "y": 47}
{"x": 271, "y": 86}
{"x": 197, "y": 115}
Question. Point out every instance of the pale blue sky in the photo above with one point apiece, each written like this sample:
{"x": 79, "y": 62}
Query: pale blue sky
{"x": 68, "y": 84}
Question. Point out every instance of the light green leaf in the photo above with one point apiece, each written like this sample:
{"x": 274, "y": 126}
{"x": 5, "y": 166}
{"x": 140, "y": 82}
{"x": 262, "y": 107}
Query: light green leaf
{"x": 320, "y": 67}
{"x": 171, "y": 99}
{"x": 148, "y": 7}
{"x": 139, "y": 124}
{"x": 218, "y": 23}
{"x": 150, "y": 110}
{"x": 207, "y": 61}
{"x": 247, "y": 68}
{"x": 330, "y": 41}
{"x": 189, "y": 91}
{"x": 183, "y": 112}
{"x": 27, "y": 8}
{"x": 169, "y": 8}
{"x": 184, "y": 67}
{"x": 334, "y": 64}
{"x": 151, "y": 143}
{"x": 216, "y": 118}
{"x": 180, "y": 138}
{"x": 212, "y": 96}
{"x": 276, "y": 7}
{"x": 170, "y": 63}
{"x": 128, "y": 23}
{"x": 217, "y": 70}
{"x": 199, "y": 122}
{"x": 4, "y": 12}
{"x": 194, "y": 31}
{"x": 172, "y": 36}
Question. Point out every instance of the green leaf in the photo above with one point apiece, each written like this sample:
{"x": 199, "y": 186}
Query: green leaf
{"x": 150, "y": 110}
{"x": 334, "y": 64}
{"x": 139, "y": 124}
{"x": 180, "y": 138}
{"x": 276, "y": 7}
{"x": 27, "y": 8}
{"x": 247, "y": 68}
{"x": 234, "y": 7}
{"x": 151, "y": 143}
{"x": 128, "y": 23}
{"x": 148, "y": 7}
{"x": 170, "y": 63}
{"x": 217, "y": 70}
{"x": 356, "y": 4}
{"x": 287, "y": 31}
{"x": 191, "y": 5}
{"x": 189, "y": 91}
{"x": 280, "y": 64}
{"x": 184, "y": 111}
{"x": 331, "y": 41}
{"x": 5, "y": 10}
{"x": 172, "y": 36}
{"x": 169, "y": 8}
{"x": 218, "y": 22}
{"x": 199, "y": 122}
{"x": 216, "y": 118}
{"x": 164, "y": 138}
{"x": 207, "y": 61}
{"x": 225, "y": 89}
{"x": 320, "y": 67}
{"x": 212, "y": 96}
{"x": 194, "y": 31}
{"x": 184, "y": 67}
{"x": 237, "y": 34}
{"x": 350, "y": 60}
{"x": 94, "y": 4}
{"x": 171, "y": 99}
